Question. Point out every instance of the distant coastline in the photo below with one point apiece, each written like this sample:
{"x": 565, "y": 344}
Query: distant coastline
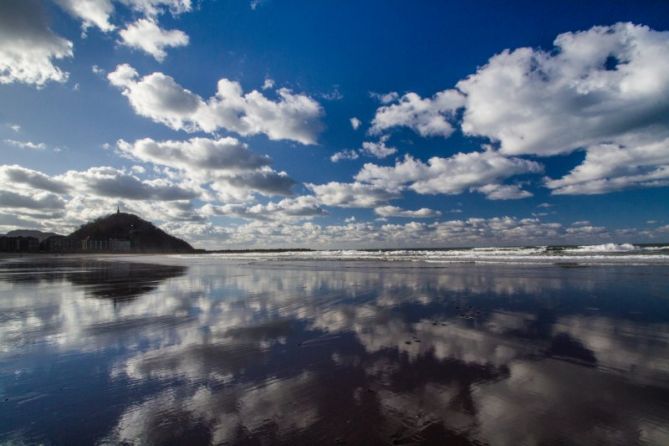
{"x": 124, "y": 233}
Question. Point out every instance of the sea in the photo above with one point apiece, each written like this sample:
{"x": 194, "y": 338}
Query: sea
{"x": 607, "y": 253}
{"x": 539, "y": 345}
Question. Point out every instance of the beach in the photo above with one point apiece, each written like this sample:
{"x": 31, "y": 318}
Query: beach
{"x": 491, "y": 347}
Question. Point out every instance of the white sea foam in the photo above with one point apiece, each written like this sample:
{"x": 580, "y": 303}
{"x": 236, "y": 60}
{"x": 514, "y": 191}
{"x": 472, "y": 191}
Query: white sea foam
{"x": 606, "y": 247}
{"x": 624, "y": 253}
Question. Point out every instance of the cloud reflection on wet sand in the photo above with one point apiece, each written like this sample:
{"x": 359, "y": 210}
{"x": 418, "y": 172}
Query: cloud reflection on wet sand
{"x": 347, "y": 352}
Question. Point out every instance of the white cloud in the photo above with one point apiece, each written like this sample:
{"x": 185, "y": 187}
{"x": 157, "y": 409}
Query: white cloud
{"x": 546, "y": 103}
{"x": 227, "y": 164}
{"x": 154, "y": 7}
{"x": 427, "y": 117}
{"x": 503, "y": 192}
{"x": 394, "y": 211}
{"x": 452, "y": 175}
{"x": 466, "y": 232}
{"x": 26, "y": 144}
{"x": 98, "y": 13}
{"x": 62, "y": 202}
{"x": 587, "y": 230}
{"x": 355, "y": 123}
{"x": 604, "y": 90}
{"x": 28, "y": 48}
{"x": 351, "y": 195}
{"x": 111, "y": 182}
{"x": 20, "y": 178}
{"x": 91, "y": 12}
{"x": 157, "y": 96}
{"x": 97, "y": 70}
{"x": 196, "y": 154}
{"x": 15, "y": 127}
{"x": 385, "y": 98}
{"x": 344, "y": 155}
{"x": 147, "y": 36}
{"x": 371, "y": 149}
{"x": 377, "y": 149}
{"x": 287, "y": 209}
{"x": 240, "y": 185}
{"x": 611, "y": 167}
{"x": 41, "y": 201}
{"x": 268, "y": 84}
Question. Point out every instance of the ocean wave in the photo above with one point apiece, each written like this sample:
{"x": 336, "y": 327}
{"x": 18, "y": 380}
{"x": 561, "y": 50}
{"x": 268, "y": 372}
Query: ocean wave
{"x": 624, "y": 253}
{"x": 606, "y": 247}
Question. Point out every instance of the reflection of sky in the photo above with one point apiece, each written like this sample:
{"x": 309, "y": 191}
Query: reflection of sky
{"x": 297, "y": 352}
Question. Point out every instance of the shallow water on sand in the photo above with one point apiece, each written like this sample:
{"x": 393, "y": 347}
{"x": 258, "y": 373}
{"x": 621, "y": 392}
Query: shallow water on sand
{"x": 168, "y": 350}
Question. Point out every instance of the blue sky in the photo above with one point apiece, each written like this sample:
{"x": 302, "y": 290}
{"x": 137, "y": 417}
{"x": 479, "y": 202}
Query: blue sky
{"x": 339, "y": 124}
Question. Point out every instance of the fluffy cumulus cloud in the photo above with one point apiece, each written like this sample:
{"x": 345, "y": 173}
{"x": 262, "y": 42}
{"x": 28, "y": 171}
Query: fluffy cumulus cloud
{"x": 394, "y": 211}
{"x": 291, "y": 116}
{"x": 28, "y": 47}
{"x": 426, "y": 116}
{"x": 189, "y": 206}
{"x": 375, "y": 185}
{"x": 42, "y": 201}
{"x": 196, "y": 154}
{"x": 351, "y": 195}
{"x": 604, "y": 90}
{"x": 110, "y": 182}
{"x": 594, "y": 87}
{"x": 61, "y": 202}
{"x": 225, "y": 164}
{"x": 296, "y": 208}
{"x": 475, "y": 171}
{"x": 99, "y": 13}
{"x": 611, "y": 167}
{"x": 147, "y": 36}
{"x": 20, "y": 178}
{"x": 154, "y": 7}
{"x": 240, "y": 186}
{"x": 377, "y": 149}
{"x": 464, "y": 232}
{"x": 90, "y": 12}
{"x": 503, "y": 192}
{"x": 344, "y": 155}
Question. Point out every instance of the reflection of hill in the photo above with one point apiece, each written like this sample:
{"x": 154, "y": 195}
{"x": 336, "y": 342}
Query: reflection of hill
{"x": 109, "y": 280}
{"x": 121, "y": 281}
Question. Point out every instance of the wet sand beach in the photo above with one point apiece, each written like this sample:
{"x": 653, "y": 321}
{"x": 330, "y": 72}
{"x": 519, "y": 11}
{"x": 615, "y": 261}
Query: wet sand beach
{"x": 250, "y": 350}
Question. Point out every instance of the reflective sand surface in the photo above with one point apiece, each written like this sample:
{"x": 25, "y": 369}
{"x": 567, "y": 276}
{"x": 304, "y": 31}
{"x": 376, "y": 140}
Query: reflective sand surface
{"x": 214, "y": 351}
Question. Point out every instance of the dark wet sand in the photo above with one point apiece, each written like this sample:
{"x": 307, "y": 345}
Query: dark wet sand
{"x": 157, "y": 350}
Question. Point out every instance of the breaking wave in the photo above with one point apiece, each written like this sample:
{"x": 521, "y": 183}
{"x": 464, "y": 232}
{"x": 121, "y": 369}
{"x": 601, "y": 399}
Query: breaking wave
{"x": 624, "y": 253}
{"x": 606, "y": 247}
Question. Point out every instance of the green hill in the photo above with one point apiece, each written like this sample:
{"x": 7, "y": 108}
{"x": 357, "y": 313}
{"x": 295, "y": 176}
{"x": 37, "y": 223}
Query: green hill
{"x": 143, "y": 235}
